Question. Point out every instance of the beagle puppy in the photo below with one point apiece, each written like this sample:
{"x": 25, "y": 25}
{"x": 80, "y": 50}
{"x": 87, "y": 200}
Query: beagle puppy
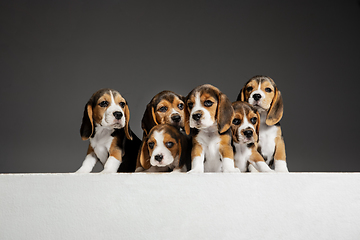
{"x": 262, "y": 93}
{"x": 165, "y": 149}
{"x": 165, "y": 107}
{"x": 210, "y": 118}
{"x": 245, "y": 132}
{"x": 106, "y": 123}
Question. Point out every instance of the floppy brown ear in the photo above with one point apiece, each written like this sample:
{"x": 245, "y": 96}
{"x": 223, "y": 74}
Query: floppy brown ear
{"x": 276, "y": 109}
{"x": 258, "y": 124}
{"x": 234, "y": 129}
{"x": 241, "y": 96}
{"x": 225, "y": 113}
{"x": 127, "y": 119}
{"x": 234, "y": 135}
{"x": 144, "y": 157}
{"x": 187, "y": 116}
{"x": 149, "y": 119}
{"x": 87, "y": 126}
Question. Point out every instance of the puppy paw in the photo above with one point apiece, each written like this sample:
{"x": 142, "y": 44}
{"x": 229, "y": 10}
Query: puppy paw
{"x": 281, "y": 166}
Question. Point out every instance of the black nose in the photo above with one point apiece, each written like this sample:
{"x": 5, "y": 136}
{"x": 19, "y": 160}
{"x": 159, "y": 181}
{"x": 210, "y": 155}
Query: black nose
{"x": 196, "y": 116}
{"x": 176, "y": 118}
{"x": 256, "y": 96}
{"x": 248, "y": 133}
{"x": 159, "y": 157}
{"x": 118, "y": 115}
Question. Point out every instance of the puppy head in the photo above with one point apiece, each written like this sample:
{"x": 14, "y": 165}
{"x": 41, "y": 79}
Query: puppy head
{"x": 161, "y": 147}
{"x": 106, "y": 108}
{"x": 246, "y": 122}
{"x": 208, "y": 106}
{"x": 166, "y": 107}
{"x": 262, "y": 93}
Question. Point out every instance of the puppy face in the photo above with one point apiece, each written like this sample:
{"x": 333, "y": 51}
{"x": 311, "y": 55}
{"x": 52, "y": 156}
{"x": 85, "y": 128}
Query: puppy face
{"x": 202, "y": 107}
{"x": 162, "y": 147}
{"x": 262, "y": 93}
{"x": 165, "y": 108}
{"x": 208, "y": 106}
{"x": 246, "y": 122}
{"x": 106, "y": 108}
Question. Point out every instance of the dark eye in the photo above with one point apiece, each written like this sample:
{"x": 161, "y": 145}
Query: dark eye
{"x": 236, "y": 121}
{"x": 104, "y": 104}
{"x": 253, "y": 120}
{"x": 163, "y": 109}
{"x": 181, "y": 106}
{"x": 151, "y": 145}
{"x": 208, "y": 103}
{"x": 169, "y": 144}
{"x": 190, "y": 105}
{"x": 249, "y": 89}
{"x": 122, "y": 104}
{"x": 268, "y": 90}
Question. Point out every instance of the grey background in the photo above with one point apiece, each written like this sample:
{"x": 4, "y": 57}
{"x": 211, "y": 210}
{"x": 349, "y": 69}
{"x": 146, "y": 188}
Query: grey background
{"x": 55, "y": 54}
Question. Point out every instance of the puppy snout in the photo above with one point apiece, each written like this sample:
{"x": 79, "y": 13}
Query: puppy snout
{"x": 159, "y": 157}
{"x": 197, "y": 116}
{"x": 257, "y": 96}
{"x": 118, "y": 115}
{"x": 176, "y": 118}
{"x": 248, "y": 133}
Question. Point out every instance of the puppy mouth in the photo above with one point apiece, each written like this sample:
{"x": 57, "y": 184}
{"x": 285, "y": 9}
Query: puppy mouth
{"x": 246, "y": 140}
{"x": 117, "y": 124}
{"x": 199, "y": 125}
{"x": 257, "y": 104}
{"x": 112, "y": 124}
{"x": 195, "y": 124}
{"x": 259, "y": 107}
{"x": 177, "y": 123}
{"x": 161, "y": 164}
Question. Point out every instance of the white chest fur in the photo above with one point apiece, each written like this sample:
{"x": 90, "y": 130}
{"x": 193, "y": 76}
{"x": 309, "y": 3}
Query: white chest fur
{"x": 101, "y": 142}
{"x": 267, "y": 139}
{"x": 210, "y": 139}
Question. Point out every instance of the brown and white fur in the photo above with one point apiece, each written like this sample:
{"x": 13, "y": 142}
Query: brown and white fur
{"x": 165, "y": 149}
{"x": 165, "y": 107}
{"x": 106, "y": 124}
{"x": 210, "y": 117}
{"x": 245, "y": 131}
{"x": 262, "y": 93}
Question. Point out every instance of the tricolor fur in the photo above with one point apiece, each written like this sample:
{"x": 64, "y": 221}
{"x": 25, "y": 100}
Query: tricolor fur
{"x": 165, "y": 149}
{"x": 106, "y": 124}
{"x": 245, "y": 131}
{"x": 165, "y": 107}
{"x": 262, "y": 93}
{"x": 210, "y": 116}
